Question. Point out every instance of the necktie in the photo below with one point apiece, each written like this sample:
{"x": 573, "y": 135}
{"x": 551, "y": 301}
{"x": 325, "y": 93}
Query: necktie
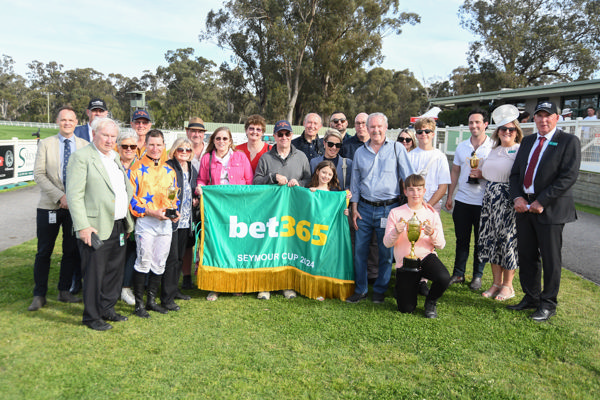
{"x": 532, "y": 163}
{"x": 66, "y": 155}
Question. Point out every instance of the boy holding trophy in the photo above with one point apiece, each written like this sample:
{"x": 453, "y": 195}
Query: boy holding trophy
{"x": 415, "y": 231}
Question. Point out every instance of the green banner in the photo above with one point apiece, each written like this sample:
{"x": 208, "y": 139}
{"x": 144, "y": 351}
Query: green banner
{"x": 268, "y": 226}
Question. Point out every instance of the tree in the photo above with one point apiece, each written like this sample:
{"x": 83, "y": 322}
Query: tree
{"x": 282, "y": 44}
{"x": 13, "y": 91}
{"x": 533, "y": 42}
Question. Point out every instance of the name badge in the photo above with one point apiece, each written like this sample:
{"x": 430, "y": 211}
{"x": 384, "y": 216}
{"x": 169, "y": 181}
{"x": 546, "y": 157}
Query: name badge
{"x": 383, "y": 223}
{"x": 512, "y": 151}
{"x": 122, "y": 239}
{"x": 52, "y": 217}
{"x": 552, "y": 144}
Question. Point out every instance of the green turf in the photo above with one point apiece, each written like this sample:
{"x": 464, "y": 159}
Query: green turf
{"x": 243, "y": 348}
{"x": 21, "y": 132}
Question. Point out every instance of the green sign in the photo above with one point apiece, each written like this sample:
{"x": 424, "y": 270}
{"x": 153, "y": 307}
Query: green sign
{"x": 267, "y": 237}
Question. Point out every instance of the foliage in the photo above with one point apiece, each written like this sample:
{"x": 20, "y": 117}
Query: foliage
{"x": 242, "y": 348}
{"x": 303, "y": 47}
{"x": 533, "y": 42}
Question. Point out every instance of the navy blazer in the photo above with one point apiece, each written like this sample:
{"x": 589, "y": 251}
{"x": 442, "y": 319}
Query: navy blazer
{"x": 557, "y": 172}
{"x": 83, "y": 132}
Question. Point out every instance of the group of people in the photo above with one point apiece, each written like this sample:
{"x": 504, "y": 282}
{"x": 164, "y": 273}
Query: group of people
{"x": 129, "y": 216}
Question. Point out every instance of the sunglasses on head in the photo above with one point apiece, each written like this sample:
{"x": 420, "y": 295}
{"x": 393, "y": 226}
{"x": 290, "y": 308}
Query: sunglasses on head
{"x": 129, "y": 146}
{"x": 183, "y": 150}
{"x": 337, "y": 145}
{"x": 404, "y": 139}
{"x": 421, "y": 131}
{"x": 506, "y": 128}
{"x": 336, "y": 120}
{"x": 284, "y": 133}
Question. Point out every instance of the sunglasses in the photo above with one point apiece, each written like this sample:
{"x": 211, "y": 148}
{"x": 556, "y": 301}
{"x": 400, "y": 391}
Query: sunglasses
{"x": 129, "y": 146}
{"x": 183, "y": 150}
{"x": 282, "y": 134}
{"x": 140, "y": 122}
{"x": 421, "y": 131}
{"x": 506, "y": 128}
{"x": 337, "y": 145}
{"x": 404, "y": 139}
{"x": 337, "y": 120}
{"x": 221, "y": 139}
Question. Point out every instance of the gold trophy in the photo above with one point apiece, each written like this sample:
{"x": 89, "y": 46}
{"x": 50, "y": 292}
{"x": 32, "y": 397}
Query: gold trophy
{"x": 413, "y": 232}
{"x": 474, "y": 162}
{"x": 172, "y": 193}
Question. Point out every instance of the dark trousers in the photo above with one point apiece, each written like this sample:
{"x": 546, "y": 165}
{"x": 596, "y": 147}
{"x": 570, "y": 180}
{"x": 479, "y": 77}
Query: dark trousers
{"x": 46, "y": 234}
{"x": 466, "y": 219}
{"x": 407, "y": 283}
{"x": 130, "y": 256}
{"x": 535, "y": 240}
{"x": 102, "y": 274}
{"x": 170, "y": 278}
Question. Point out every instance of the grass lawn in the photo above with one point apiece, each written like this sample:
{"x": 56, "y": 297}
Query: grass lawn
{"x": 243, "y": 348}
{"x": 22, "y": 132}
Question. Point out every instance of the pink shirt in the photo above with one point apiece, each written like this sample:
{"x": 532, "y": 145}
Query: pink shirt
{"x": 239, "y": 171}
{"x": 425, "y": 245}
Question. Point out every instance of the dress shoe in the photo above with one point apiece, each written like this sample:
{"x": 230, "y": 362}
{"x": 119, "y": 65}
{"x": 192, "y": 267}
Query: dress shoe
{"x": 423, "y": 289}
{"x": 37, "y": 303}
{"x": 172, "y": 306}
{"x": 66, "y": 297}
{"x": 115, "y": 317}
{"x": 542, "y": 314}
{"x": 181, "y": 296}
{"x": 457, "y": 279}
{"x": 524, "y": 304}
{"x": 475, "y": 284}
{"x": 378, "y": 298}
{"x": 98, "y": 325}
{"x": 430, "y": 309}
{"x": 141, "y": 312}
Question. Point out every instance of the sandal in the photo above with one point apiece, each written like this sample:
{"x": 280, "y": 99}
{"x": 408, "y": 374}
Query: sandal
{"x": 501, "y": 297}
{"x": 212, "y": 296}
{"x": 491, "y": 292}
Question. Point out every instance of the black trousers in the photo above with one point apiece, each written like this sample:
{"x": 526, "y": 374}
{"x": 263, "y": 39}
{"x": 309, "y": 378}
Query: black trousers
{"x": 466, "y": 219}
{"x": 537, "y": 240}
{"x": 170, "y": 278}
{"x": 407, "y": 283}
{"x": 103, "y": 273}
{"x": 46, "y": 234}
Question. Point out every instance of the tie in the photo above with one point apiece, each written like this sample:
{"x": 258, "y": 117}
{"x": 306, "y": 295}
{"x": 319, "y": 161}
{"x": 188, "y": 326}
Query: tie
{"x": 532, "y": 163}
{"x": 66, "y": 154}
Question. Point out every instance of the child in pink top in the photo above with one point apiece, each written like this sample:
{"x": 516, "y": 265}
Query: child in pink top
{"x": 432, "y": 237}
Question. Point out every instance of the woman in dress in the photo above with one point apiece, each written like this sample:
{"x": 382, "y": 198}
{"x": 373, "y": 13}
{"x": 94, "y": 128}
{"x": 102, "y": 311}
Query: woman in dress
{"x": 255, "y": 129}
{"x": 180, "y": 157}
{"x": 222, "y": 165}
{"x": 497, "y": 230}
{"x": 127, "y": 149}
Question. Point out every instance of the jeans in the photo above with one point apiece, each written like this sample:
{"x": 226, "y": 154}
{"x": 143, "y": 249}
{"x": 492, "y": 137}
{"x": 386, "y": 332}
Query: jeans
{"x": 371, "y": 221}
{"x": 465, "y": 217}
{"x": 46, "y": 235}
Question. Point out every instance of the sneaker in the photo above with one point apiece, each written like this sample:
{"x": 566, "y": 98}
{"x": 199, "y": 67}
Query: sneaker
{"x": 423, "y": 288}
{"x": 212, "y": 296}
{"x": 378, "y": 298}
{"x": 127, "y": 296}
{"x": 289, "y": 294}
{"x": 430, "y": 309}
{"x": 264, "y": 295}
{"x": 356, "y": 297}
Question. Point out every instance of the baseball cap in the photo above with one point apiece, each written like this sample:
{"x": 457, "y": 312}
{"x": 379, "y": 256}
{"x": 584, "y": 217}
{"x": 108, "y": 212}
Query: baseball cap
{"x": 282, "y": 125}
{"x": 140, "y": 114}
{"x": 97, "y": 103}
{"x": 547, "y": 106}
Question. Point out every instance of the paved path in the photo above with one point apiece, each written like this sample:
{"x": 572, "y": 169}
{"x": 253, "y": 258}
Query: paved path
{"x": 580, "y": 254}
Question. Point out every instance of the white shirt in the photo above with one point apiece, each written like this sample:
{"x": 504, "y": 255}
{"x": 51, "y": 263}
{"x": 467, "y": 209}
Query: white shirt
{"x": 433, "y": 166}
{"x": 469, "y": 193}
{"x": 499, "y": 162}
{"x": 548, "y": 137}
{"x": 117, "y": 182}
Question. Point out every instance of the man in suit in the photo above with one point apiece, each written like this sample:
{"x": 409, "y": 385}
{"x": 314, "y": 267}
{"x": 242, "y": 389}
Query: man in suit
{"x": 96, "y": 109}
{"x": 99, "y": 193}
{"x": 49, "y": 172}
{"x": 545, "y": 169}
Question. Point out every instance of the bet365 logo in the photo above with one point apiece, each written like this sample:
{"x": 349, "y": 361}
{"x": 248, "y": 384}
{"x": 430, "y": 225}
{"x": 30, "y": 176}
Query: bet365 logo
{"x": 286, "y": 227}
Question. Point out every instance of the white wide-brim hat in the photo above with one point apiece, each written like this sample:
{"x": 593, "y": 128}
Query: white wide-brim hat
{"x": 504, "y": 114}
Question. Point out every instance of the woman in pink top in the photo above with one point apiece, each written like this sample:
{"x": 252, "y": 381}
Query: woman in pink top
{"x": 432, "y": 237}
{"x": 222, "y": 165}
{"x": 255, "y": 128}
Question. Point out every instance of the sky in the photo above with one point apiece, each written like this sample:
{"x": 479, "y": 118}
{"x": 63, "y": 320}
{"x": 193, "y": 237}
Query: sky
{"x": 130, "y": 37}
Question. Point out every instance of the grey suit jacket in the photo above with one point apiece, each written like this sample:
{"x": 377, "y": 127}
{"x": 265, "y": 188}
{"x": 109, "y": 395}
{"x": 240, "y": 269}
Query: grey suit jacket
{"x": 90, "y": 194}
{"x": 47, "y": 173}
